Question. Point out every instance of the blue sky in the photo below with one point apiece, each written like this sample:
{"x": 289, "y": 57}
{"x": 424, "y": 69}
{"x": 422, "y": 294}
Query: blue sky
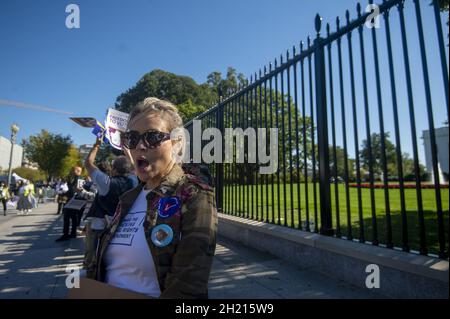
{"x": 84, "y": 70}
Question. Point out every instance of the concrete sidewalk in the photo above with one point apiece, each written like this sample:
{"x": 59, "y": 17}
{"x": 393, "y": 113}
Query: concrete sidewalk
{"x": 32, "y": 265}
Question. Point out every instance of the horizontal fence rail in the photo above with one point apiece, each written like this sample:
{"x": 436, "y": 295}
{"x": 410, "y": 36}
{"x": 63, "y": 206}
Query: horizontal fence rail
{"x": 351, "y": 107}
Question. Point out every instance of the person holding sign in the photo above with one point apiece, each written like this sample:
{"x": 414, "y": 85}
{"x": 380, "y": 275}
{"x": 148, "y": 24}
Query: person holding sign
{"x": 162, "y": 238}
{"x": 107, "y": 198}
{"x": 71, "y": 214}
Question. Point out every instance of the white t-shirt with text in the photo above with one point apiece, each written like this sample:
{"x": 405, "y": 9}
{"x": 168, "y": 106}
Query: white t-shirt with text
{"x": 129, "y": 262}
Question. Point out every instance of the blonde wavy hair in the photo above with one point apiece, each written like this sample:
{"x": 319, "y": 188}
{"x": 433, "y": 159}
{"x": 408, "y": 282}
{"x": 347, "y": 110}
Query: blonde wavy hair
{"x": 165, "y": 109}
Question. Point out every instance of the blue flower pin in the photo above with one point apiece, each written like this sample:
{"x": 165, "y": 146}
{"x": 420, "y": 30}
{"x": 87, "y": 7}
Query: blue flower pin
{"x": 168, "y": 206}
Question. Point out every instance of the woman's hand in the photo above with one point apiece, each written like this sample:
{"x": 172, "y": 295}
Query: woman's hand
{"x": 90, "y": 159}
{"x": 98, "y": 142}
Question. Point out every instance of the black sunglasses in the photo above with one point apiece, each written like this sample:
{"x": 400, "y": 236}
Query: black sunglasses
{"x": 151, "y": 139}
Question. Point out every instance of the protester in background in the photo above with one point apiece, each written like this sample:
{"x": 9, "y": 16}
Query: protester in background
{"x": 4, "y": 196}
{"x": 88, "y": 192}
{"x": 32, "y": 193}
{"x": 61, "y": 189}
{"x": 105, "y": 167}
{"x": 19, "y": 184}
{"x": 110, "y": 188}
{"x": 81, "y": 194}
{"x": 71, "y": 215}
{"x": 162, "y": 239}
{"x": 24, "y": 204}
{"x": 88, "y": 184}
{"x": 93, "y": 225}
{"x": 19, "y": 192}
{"x": 41, "y": 193}
{"x": 49, "y": 193}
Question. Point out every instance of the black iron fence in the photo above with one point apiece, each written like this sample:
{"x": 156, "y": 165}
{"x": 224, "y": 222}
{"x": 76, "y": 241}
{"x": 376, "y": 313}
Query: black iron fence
{"x": 336, "y": 103}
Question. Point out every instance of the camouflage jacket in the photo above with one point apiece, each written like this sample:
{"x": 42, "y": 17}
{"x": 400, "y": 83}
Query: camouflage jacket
{"x": 183, "y": 266}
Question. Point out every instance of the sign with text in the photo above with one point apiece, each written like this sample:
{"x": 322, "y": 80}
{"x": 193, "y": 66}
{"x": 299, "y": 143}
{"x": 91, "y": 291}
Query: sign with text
{"x": 84, "y": 121}
{"x": 116, "y": 123}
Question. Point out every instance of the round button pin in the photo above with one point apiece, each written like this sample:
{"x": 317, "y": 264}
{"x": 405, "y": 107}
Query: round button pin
{"x": 168, "y": 206}
{"x": 162, "y": 235}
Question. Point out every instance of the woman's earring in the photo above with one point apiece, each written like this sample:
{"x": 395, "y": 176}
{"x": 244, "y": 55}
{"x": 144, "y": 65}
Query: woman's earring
{"x": 177, "y": 152}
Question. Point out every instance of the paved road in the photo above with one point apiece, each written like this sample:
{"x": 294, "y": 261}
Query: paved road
{"x": 32, "y": 265}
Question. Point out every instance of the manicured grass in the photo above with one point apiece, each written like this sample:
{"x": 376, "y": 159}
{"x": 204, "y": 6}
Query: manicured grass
{"x": 235, "y": 205}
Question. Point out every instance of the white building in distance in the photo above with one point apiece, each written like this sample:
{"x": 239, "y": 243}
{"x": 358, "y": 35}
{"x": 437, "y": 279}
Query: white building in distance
{"x": 84, "y": 150}
{"x": 5, "y": 150}
{"x": 441, "y": 134}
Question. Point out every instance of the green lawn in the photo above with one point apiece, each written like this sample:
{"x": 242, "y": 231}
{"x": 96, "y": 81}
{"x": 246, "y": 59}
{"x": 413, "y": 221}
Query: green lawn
{"x": 292, "y": 211}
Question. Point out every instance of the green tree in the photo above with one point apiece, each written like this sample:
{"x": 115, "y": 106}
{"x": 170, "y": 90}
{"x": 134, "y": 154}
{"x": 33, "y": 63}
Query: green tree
{"x": 190, "y": 98}
{"x": 189, "y": 110}
{"x": 33, "y": 175}
{"x": 340, "y": 163}
{"x": 443, "y": 6}
{"x": 213, "y": 80}
{"x": 408, "y": 169}
{"x": 48, "y": 150}
{"x": 228, "y": 85}
{"x": 377, "y": 163}
{"x": 73, "y": 158}
{"x": 391, "y": 159}
{"x": 180, "y": 90}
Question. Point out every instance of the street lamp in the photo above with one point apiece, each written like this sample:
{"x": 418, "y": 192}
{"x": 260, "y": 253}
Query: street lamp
{"x": 14, "y": 130}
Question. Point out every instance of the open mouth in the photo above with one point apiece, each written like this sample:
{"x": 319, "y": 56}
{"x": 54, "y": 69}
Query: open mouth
{"x": 142, "y": 163}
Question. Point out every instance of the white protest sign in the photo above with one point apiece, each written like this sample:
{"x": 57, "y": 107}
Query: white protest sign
{"x": 116, "y": 123}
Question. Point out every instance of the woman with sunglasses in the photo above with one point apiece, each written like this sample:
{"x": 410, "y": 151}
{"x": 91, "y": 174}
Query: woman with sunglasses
{"x": 161, "y": 241}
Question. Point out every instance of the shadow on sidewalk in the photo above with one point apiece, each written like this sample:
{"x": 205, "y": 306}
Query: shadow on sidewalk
{"x": 240, "y": 272}
{"x": 32, "y": 264}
